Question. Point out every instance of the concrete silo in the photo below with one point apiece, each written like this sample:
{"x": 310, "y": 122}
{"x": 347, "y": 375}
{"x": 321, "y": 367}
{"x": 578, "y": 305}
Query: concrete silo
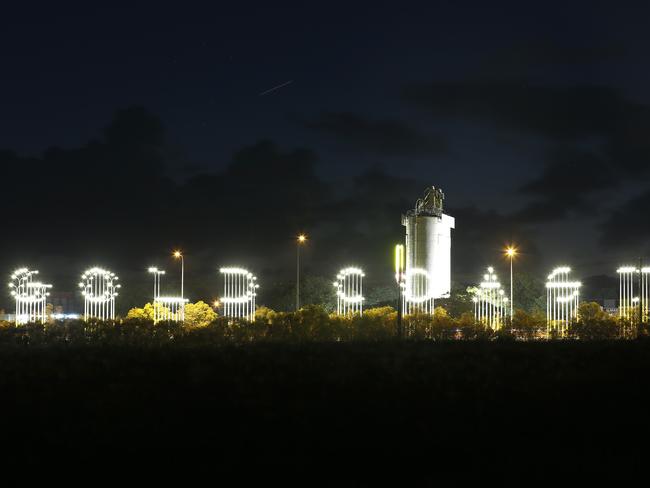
{"x": 428, "y": 241}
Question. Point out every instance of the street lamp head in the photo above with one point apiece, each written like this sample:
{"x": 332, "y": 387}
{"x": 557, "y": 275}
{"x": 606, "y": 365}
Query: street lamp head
{"x": 216, "y": 304}
{"x": 302, "y": 238}
{"x": 178, "y": 254}
{"x": 511, "y": 252}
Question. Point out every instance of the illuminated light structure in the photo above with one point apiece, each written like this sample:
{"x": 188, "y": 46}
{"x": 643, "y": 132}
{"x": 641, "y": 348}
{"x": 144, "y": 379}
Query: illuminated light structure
{"x": 349, "y": 291}
{"x": 239, "y": 293}
{"x": 418, "y": 296}
{"x": 645, "y": 295}
{"x": 399, "y": 278}
{"x": 99, "y": 289}
{"x": 157, "y": 273}
{"x": 490, "y": 302}
{"x": 428, "y": 242}
{"x": 628, "y": 292}
{"x": 168, "y": 308}
{"x": 562, "y": 300}
{"x": 30, "y": 296}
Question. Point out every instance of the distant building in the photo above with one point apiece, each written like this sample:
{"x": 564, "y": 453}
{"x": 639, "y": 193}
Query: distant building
{"x": 66, "y": 302}
{"x": 8, "y": 317}
{"x": 610, "y": 306}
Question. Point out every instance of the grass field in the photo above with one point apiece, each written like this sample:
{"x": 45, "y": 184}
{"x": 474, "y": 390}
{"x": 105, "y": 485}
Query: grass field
{"x": 422, "y": 410}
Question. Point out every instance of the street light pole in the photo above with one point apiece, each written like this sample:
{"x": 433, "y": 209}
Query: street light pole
{"x": 511, "y": 252}
{"x": 177, "y": 255}
{"x": 511, "y": 293}
{"x": 301, "y": 240}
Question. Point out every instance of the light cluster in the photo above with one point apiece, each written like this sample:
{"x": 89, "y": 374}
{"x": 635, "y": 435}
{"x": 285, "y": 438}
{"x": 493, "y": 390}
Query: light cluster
{"x": 99, "y": 288}
{"x": 632, "y": 288}
{"x": 418, "y": 296}
{"x": 169, "y": 309}
{"x": 239, "y": 293}
{"x": 349, "y": 291}
{"x": 562, "y": 300}
{"x": 30, "y": 296}
{"x": 490, "y": 302}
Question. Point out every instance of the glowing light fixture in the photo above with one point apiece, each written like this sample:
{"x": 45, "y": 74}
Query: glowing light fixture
{"x": 302, "y": 238}
{"x": 179, "y": 255}
{"x": 629, "y": 293}
{"x": 562, "y": 300}
{"x": 418, "y": 297}
{"x": 99, "y": 289}
{"x": 490, "y": 302}
{"x": 511, "y": 252}
{"x": 30, "y": 296}
{"x": 349, "y": 291}
{"x": 626, "y": 290}
{"x": 169, "y": 308}
{"x": 399, "y": 263}
{"x": 239, "y": 293}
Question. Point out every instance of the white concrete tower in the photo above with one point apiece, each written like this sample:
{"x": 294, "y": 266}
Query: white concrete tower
{"x": 428, "y": 241}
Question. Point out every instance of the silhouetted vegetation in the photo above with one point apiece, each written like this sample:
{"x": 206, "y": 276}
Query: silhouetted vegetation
{"x": 310, "y": 324}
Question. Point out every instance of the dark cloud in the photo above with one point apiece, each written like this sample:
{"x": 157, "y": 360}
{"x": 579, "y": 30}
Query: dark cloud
{"x": 264, "y": 195}
{"x": 628, "y": 226}
{"x": 95, "y": 188}
{"x": 554, "y": 111}
{"x": 480, "y": 237}
{"x": 383, "y": 137}
{"x": 597, "y": 137}
{"x": 566, "y": 185}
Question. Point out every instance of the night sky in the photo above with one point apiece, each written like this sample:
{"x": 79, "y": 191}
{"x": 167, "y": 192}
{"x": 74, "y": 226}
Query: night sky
{"x": 126, "y": 132}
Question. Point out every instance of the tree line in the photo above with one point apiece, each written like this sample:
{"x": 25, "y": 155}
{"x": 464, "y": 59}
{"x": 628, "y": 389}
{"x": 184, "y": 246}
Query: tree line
{"x": 311, "y": 324}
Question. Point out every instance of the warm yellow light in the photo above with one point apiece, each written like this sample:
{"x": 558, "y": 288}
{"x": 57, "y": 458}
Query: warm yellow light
{"x": 177, "y": 254}
{"x": 302, "y": 238}
{"x": 216, "y": 304}
{"x": 399, "y": 259}
{"x": 511, "y": 252}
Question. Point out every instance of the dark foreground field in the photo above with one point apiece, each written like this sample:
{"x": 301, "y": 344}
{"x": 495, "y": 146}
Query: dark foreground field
{"x": 333, "y": 412}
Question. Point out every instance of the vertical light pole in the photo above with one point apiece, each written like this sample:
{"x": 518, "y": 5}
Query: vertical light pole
{"x": 179, "y": 255}
{"x": 511, "y": 252}
{"x": 156, "y": 291}
{"x": 156, "y": 281}
{"x": 399, "y": 277}
{"x": 639, "y": 329}
{"x": 302, "y": 238}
